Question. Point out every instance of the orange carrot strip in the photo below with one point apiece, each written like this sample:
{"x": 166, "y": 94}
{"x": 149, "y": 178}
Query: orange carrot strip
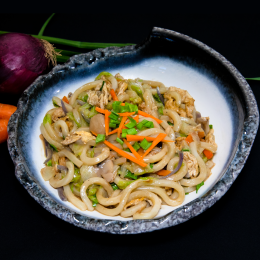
{"x": 122, "y": 104}
{"x": 3, "y": 130}
{"x": 133, "y": 150}
{"x": 121, "y": 125}
{"x": 113, "y": 132}
{"x": 136, "y": 118}
{"x": 126, "y": 114}
{"x": 189, "y": 139}
{"x": 201, "y": 134}
{"x": 94, "y": 133}
{"x": 163, "y": 172}
{"x": 107, "y": 113}
{"x": 157, "y": 140}
{"x": 208, "y": 153}
{"x": 140, "y": 151}
{"x": 6, "y": 111}
{"x": 147, "y": 115}
{"x": 65, "y": 99}
{"x": 140, "y": 138}
{"x": 113, "y": 94}
{"x": 102, "y": 111}
{"x": 125, "y": 154}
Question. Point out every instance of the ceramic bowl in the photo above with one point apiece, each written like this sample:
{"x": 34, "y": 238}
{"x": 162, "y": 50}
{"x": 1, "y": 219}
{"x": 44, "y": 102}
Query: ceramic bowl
{"x": 218, "y": 88}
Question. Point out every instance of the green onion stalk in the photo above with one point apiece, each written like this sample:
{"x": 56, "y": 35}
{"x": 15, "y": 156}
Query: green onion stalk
{"x": 77, "y": 44}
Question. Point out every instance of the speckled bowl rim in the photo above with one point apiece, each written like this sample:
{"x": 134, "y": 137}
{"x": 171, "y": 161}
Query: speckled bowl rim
{"x": 177, "y": 216}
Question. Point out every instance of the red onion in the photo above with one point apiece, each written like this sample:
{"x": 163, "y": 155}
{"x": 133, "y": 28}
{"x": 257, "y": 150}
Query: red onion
{"x": 62, "y": 194}
{"x": 22, "y": 59}
{"x": 63, "y": 107}
{"x": 177, "y": 168}
{"x": 160, "y": 95}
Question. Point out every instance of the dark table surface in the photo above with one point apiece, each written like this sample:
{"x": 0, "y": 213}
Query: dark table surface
{"x": 228, "y": 230}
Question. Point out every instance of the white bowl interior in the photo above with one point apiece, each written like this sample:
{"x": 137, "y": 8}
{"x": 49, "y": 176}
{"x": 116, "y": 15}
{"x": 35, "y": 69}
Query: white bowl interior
{"x": 209, "y": 100}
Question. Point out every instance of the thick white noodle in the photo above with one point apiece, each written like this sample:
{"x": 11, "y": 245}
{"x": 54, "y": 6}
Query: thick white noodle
{"x": 151, "y": 196}
{"x": 134, "y": 209}
{"x": 73, "y": 199}
{"x": 85, "y": 87}
{"x": 203, "y": 170}
{"x": 56, "y": 183}
{"x": 124, "y": 197}
{"x": 176, "y": 96}
{"x": 188, "y": 121}
{"x": 84, "y": 128}
{"x": 95, "y": 160}
{"x": 113, "y": 82}
{"x": 168, "y": 129}
{"x": 149, "y": 102}
{"x": 175, "y": 117}
{"x": 107, "y": 201}
{"x": 180, "y": 173}
{"x": 123, "y": 97}
{"x": 157, "y": 157}
{"x": 58, "y": 102}
{"x": 60, "y": 124}
{"x": 71, "y": 157}
{"x": 74, "y": 128}
{"x": 52, "y": 133}
{"x": 208, "y": 146}
{"x": 155, "y": 84}
{"x": 49, "y": 139}
{"x": 87, "y": 183}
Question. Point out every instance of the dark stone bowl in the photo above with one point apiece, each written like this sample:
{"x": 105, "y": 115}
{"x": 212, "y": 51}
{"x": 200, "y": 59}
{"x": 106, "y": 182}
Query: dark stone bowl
{"x": 233, "y": 94}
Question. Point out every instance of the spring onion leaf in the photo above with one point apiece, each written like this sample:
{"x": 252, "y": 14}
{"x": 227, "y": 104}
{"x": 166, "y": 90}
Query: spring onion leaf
{"x": 187, "y": 193}
{"x": 132, "y": 123}
{"x": 148, "y": 124}
{"x": 54, "y": 147}
{"x": 127, "y": 150}
{"x": 102, "y": 86}
{"x": 112, "y": 125}
{"x": 114, "y": 186}
{"x": 116, "y": 106}
{"x": 83, "y": 96}
{"x": 211, "y": 126}
{"x": 186, "y": 150}
{"x": 113, "y": 116}
{"x": 55, "y": 104}
{"x": 136, "y": 146}
{"x": 160, "y": 110}
{"x": 131, "y": 131}
{"x": 71, "y": 117}
{"x": 170, "y": 123}
{"x": 156, "y": 97}
{"x": 198, "y": 186}
{"x": 145, "y": 144}
{"x": 47, "y": 119}
{"x": 183, "y": 135}
{"x": 124, "y": 109}
{"x": 124, "y": 135}
{"x": 151, "y": 165}
{"x": 93, "y": 198}
{"x": 130, "y": 175}
{"x": 100, "y": 138}
{"x": 49, "y": 163}
{"x": 119, "y": 141}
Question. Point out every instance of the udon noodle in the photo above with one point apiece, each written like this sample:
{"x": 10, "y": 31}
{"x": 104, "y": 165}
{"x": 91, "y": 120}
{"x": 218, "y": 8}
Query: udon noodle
{"x": 125, "y": 147}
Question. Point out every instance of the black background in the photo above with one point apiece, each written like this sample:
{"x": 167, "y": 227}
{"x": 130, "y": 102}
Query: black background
{"x": 228, "y": 230}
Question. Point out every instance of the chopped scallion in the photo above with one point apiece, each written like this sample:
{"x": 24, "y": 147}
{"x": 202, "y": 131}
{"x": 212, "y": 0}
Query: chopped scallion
{"x": 198, "y": 186}
{"x": 114, "y": 186}
{"x": 145, "y": 144}
{"x": 130, "y": 175}
{"x": 131, "y": 131}
{"x": 132, "y": 123}
{"x": 136, "y": 146}
{"x": 100, "y": 138}
{"x": 119, "y": 141}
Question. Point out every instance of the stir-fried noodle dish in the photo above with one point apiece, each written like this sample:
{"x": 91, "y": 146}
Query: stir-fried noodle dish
{"x": 125, "y": 147}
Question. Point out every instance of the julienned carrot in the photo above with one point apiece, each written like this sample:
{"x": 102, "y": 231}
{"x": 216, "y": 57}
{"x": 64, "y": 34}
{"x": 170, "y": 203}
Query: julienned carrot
{"x": 122, "y": 104}
{"x": 189, "y": 139}
{"x": 124, "y": 154}
{"x": 163, "y": 172}
{"x": 6, "y": 111}
{"x": 94, "y": 133}
{"x": 140, "y": 151}
{"x": 208, "y": 153}
{"x": 3, "y": 130}
{"x": 157, "y": 140}
{"x": 107, "y": 113}
{"x": 147, "y": 115}
{"x": 134, "y": 152}
{"x": 113, "y": 132}
{"x": 65, "y": 99}
{"x": 100, "y": 110}
{"x": 121, "y": 125}
{"x": 140, "y": 138}
{"x": 136, "y": 118}
{"x": 126, "y": 114}
{"x": 113, "y": 94}
{"x": 201, "y": 134}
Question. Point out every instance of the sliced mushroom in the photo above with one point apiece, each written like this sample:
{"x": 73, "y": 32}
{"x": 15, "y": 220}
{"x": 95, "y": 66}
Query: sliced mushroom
{"x": 204, "y": 121}
{"x": 97, "y": 124}
{"x": 108, "y": 171}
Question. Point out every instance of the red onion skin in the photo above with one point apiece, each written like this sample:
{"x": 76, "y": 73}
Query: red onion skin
{"x": 22, "y": 60}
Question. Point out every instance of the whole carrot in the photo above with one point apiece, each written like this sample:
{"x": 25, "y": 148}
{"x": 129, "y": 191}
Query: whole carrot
{"x": 6, "y": 111}
{"x": 3, "y": 130}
